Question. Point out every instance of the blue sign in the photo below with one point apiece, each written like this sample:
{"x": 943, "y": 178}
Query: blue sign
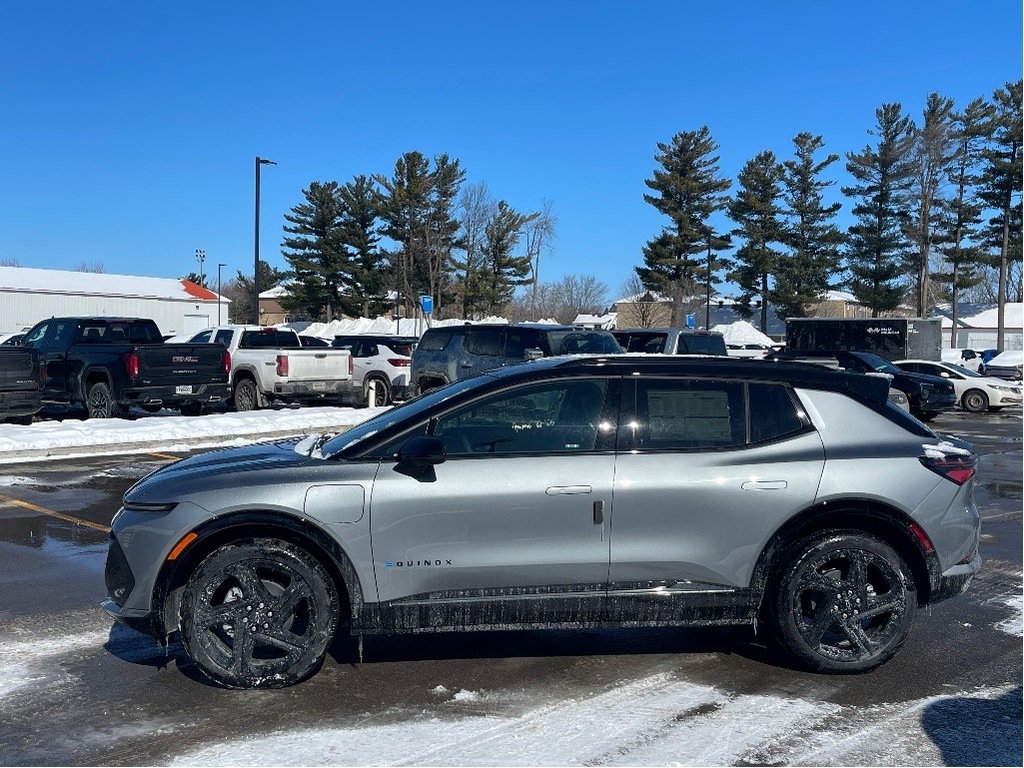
{"x": 427, "y": 304}
{"x": 691, "y": 321}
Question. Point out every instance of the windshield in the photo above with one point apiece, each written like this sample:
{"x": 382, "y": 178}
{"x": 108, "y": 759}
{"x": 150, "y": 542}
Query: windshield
{"x": 406, "y": 411}
{"x": 965, "y": 371}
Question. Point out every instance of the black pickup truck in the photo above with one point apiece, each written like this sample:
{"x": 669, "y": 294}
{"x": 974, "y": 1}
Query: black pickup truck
{"x": 109, "y": 364}
{"x": 21, "y": 384}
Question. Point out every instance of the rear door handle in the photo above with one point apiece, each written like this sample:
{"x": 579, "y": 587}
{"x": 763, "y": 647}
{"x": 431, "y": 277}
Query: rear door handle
{"x": 764, "y": 485}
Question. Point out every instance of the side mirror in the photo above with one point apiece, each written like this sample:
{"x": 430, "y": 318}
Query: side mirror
{"x": 944, "y": 374}
{"x": 421, "y": 452}
{"x": 534, "y": 353}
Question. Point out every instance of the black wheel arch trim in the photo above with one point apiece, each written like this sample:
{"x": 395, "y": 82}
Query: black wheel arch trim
{"x": 216, "y": 533}
{"x": 889, "y": 524}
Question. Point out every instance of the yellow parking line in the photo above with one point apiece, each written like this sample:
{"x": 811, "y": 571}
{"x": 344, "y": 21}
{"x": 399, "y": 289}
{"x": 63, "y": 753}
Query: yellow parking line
{"x": 164, "y": 456}
{"x": 52, "y": 513}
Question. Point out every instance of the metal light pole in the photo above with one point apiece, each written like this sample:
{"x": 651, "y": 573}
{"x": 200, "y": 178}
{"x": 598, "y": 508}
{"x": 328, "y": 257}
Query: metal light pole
{"x": 201, "y": 257}
{"x": 219, "y": 265}
{"x": 256, "y": 269}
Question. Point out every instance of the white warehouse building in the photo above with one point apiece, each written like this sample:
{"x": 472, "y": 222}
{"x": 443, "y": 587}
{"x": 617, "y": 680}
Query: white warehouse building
{"x": 178, "y": 306}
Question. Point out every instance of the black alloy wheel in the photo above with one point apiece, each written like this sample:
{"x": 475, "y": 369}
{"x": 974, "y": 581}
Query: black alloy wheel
{"x": 845, "y": 603}
{"x": 381, "y": 394}
{"x": 259, "y": 614}
{"x": 247, "y": 398}
{"x": 99, "y": 402}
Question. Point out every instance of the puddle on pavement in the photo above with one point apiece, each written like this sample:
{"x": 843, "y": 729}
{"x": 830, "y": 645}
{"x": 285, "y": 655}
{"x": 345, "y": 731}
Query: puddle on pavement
{"x": 47, "y": 534}
{"x": 1005, "y": 490}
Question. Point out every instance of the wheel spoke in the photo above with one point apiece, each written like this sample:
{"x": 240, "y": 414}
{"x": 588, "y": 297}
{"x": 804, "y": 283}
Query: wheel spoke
{"x": 252, "y": 587}
{"x": 242, "y": 649}
{"x": 855, "y": 632}
{"x": 857, "y": 579}
{"x": 878, "y": 607}
{"x": 211, "y": 615}
{"x": 824, "y": 618}
{"x": 288, "y": 600}
{"x": 278, "y": 640}
{"x": 810, "y": 579}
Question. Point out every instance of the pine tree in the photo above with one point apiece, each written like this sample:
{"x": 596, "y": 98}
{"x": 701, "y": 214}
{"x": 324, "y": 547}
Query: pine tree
{"x": 366, "y": 278}
{"x": 959, "y": 215}
{"x": 315, "y": 252}
{"x": 442, "y": 227}
{"x": 505, "y": 270}
{"x": 405, "y": 212}
{"x": 687, "y": 190}
{"x": 933, "y": 151}
{"x": 1001, "y": 186}
{"x": 756, "y": 209}
{"x": 803, "y": 273}
{"x": 475, "y": 208}
{"x": 877, "y": 244}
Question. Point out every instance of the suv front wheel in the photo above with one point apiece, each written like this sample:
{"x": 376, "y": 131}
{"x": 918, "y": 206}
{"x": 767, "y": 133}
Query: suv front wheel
{"x": 844, "y": 602}
{"x": 259, "y": 614}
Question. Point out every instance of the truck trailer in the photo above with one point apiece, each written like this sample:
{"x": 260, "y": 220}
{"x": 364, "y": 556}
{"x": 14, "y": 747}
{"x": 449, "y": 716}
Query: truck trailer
{"x": 894, "y": 338}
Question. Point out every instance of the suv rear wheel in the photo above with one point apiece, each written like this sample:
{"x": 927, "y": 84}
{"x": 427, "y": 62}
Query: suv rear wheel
{"x": 259, "y": 614}
{"x": 381, "y": 391}
{"x": 844, "y": 602}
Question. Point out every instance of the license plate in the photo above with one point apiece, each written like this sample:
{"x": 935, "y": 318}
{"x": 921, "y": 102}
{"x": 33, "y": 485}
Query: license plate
{"x": 183, "y": 389}
{"x": 319, "y": 385}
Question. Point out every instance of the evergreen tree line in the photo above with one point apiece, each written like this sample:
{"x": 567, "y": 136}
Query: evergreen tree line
{"x": 936, "y": 207}
{"x": 380, "y": 242}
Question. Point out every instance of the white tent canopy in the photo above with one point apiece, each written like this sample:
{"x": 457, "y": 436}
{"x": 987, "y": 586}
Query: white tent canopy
{"x": 742, "y": 332}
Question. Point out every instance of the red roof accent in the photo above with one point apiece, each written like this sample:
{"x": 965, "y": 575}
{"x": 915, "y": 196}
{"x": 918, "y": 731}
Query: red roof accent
{"x": 197, "y": 290}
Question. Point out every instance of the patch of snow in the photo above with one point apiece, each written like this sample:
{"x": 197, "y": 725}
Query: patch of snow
{"x": 465, "y": 695}
{"x": 439, "y": 690}
{"x": 24, "y": 662}
{"x": 1014, "y": 625}
{"x": 11, "y": 480}
{"x": 943, "y": 449}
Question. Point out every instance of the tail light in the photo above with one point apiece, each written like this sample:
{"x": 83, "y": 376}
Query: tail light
{"x": 282, "y": 365}
{"x": 350, "y": 368}
{"x": 227, "y": 362}
{"x": 958, "y": 469}
{"x": 131, "y": 364}
{"x": 399, "y": 362}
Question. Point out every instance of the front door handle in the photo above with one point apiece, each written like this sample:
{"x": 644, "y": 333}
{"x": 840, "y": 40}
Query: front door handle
{"x": 567, "y": 490}
{"x": 598, "y": 512}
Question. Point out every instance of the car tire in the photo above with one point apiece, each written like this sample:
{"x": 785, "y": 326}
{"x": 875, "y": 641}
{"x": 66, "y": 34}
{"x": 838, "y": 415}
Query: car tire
{"x": 100, "y": 403}
{"x": 383, "y": 393}
{"x": 272, "y": 585}
{"x": 975, "y": 401}
{"x": 844, "y": 602}
{"x": 246, "y": 395}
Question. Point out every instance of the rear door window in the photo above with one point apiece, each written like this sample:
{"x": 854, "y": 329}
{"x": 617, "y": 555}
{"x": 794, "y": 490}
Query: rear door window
{"x": 435, "y": 340}
{"x": 688, "y": 414}
{"x": 483, "y": 341}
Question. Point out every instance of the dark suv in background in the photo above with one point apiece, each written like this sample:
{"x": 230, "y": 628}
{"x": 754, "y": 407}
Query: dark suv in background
{"x": 449, "y": 353}
{"x": 670, "y": 341}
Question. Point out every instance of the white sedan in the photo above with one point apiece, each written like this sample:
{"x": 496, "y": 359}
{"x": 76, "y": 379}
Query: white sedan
{"x": 975, "y": 392}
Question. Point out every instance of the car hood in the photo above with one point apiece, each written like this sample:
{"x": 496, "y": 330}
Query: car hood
{"x": 216, "y": 469}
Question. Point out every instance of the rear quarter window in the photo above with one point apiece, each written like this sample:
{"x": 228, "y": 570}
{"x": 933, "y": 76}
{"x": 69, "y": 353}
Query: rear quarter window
{"x": 483, "y": 341}
{"x": 773, "y": 413}
{"x": 434, "y": 341}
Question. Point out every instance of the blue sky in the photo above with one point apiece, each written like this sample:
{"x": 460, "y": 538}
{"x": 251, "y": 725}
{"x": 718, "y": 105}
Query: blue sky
{"x": 129, "y": 130}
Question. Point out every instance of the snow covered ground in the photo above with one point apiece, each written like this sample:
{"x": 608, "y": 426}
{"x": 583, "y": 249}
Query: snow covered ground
{"x": 168, "y": 431}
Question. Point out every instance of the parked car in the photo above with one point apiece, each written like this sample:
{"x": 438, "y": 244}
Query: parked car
{"x": 975, "y": 392}
{"x": 109, "y": 364}
{"x": 452, "y": 352}
{"x": 928, "y": 395}
{"x": 270, "y": 365}
{"x": 12, "y": 339}
{"x": 670, "y": 341}
{"x": 1005, "y": 365}
{"x": 21, "y": 384}
{"x": 380, "y": 363}
{"x": 964, "y": 357}
{"x": 601, "y": 491}
{"x": 752, "y": 350}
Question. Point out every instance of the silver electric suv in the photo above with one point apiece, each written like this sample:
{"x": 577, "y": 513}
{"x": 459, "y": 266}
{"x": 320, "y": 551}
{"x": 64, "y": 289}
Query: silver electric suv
{"x": 617, "y": 491}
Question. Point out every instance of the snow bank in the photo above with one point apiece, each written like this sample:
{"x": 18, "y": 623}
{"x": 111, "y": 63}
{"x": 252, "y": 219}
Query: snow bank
{"x": 742, "y": 332}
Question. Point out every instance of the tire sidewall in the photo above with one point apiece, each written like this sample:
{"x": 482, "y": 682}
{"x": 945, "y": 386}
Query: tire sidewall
{"x": 975, "y": 393}
{"x": 248, "y": 386}
{"x": 207, "y": 576}
{"x": 783, "y": 618}
{"x": 112, "y": 410}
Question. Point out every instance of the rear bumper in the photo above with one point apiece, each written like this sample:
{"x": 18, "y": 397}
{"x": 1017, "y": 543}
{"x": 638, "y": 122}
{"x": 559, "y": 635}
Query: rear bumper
{"x": 312, "y": 390}
{"x": 14, "y": 404}
{"x": 175, "y": 395}
{"x": 953, "y": 581}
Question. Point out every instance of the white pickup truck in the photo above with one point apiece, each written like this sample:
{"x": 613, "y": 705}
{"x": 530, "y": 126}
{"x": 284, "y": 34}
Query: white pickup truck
{"x": 271, "y": 365}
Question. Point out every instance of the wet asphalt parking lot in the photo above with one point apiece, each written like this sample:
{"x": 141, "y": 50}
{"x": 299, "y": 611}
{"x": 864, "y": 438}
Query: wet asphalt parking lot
{"x": 76, "y": 689}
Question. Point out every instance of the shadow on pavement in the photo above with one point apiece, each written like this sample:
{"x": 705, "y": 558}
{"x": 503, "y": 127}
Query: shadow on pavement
{"x": 971, "y": 731}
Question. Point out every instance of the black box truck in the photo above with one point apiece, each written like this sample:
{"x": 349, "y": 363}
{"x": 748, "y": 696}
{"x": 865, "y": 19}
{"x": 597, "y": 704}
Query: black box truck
{"x": 894, "y": 338}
